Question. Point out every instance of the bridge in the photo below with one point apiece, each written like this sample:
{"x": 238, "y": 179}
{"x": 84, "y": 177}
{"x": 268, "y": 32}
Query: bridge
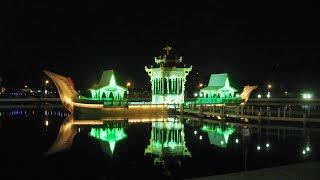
{"x": 277, "y": 109}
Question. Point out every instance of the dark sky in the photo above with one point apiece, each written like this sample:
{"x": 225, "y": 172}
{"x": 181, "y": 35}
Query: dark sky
{"x": 254, "y": 42}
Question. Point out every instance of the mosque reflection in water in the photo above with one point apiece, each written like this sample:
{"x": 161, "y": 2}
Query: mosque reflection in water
{"x": 167, "y": 140}
{"x": 218, "y": 134}
{"x": 109, "y": 134}
{"x": 167, "y": 137}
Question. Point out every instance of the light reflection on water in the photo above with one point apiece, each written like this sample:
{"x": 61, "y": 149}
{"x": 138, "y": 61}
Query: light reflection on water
{"x": 177, "y": 145}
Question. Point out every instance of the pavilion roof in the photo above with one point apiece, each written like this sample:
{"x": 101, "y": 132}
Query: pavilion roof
{"x": 218, "y": 80}
{"x": 106, "y": 79}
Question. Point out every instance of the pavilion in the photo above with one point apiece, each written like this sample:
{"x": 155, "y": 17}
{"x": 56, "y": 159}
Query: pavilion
{"x": 168, "y": 79}
{"x": 107, "y": 88}
{"x": 218, "y": 90}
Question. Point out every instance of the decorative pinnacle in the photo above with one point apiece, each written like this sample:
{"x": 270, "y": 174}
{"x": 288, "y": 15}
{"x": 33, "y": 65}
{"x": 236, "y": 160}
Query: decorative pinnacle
{"x": 167, "y": 49}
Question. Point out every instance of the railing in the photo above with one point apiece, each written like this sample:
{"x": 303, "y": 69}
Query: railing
{"x": 282, "y": 112}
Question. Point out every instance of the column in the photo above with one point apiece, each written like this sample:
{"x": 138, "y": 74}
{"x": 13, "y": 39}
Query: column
{"x": 168, "y": 91}
{"x": 154, "y": 86}
{"x": 171, "y": 88}
{"x": 178, "y": 81}
{"x": 175, "y": 86}
{"x": 158, "y": 84}
{"x": 162, "y": 85}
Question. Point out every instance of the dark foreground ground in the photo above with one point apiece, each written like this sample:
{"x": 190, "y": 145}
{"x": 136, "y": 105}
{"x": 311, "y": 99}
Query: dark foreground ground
{"x": 305, "y": 171}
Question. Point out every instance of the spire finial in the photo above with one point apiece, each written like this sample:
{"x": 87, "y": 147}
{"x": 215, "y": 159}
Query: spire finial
{"x": 167, "y": 49}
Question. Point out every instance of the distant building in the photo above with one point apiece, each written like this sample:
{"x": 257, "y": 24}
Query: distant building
{"x": 107, "y": 88}
{"x": 168, "y": 80}
{"x": 218, "y": 90}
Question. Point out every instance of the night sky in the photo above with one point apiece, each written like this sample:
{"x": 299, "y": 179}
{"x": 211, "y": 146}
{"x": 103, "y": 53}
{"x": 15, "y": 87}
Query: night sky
{"x": 254, "y": 42}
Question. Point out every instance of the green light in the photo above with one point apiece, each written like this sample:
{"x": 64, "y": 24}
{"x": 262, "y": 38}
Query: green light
{"x": 195, "y": 94}
{"x": 167, "y": 81}
{"x": 307, "y": 96}
{"x": 195, "y": 132}
{"x": 167, "y": 139}
{"x": 237, "y": 140}
{"x": 308, "y": 149}
{"x": 217, "y": 135}
{"x": 218, "y": 91}
{"x": 304, "y": 152}
{"x": 110, "y": 135}
{"x": 107, "y": 89}
{"x": 259, "y": 96}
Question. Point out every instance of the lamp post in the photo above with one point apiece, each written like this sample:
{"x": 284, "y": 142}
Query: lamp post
{"x": 46, "y": 82}
{"x": 128, "y": 84}
{"x": 269, "y": 89}
{"x": 307, "y": 97}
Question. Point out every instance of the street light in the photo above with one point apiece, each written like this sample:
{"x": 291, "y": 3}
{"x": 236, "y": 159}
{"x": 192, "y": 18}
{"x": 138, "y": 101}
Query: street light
{"x": 200, "y": 85}
{"x": 269, "y": 86}
{"x": 307, "y": 96}
{"x": 268, "y": 95}
{"x": 128, "y": 84}
{"x": 46, "y": 82}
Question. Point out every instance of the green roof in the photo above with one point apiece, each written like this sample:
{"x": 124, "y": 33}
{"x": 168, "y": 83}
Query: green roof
{"x": 218, "y": 80}
{"x": 212, "y": 88}
{"x": 106, "y": 79}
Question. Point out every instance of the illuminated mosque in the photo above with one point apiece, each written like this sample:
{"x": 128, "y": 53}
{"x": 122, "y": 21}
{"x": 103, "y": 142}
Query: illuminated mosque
{"x": 168, "y": 81}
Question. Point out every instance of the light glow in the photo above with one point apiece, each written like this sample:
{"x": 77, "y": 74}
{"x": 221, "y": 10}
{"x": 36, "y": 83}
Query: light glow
{"x": 307, "y": 96}
{"x": 110, "y": 135}
{"x": 308, "y": 149}
{"x": 217, "y": 135}
{"x": 304, "y": 152}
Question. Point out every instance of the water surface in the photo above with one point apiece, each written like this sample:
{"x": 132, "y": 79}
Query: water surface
{"x": 50, "y": 143}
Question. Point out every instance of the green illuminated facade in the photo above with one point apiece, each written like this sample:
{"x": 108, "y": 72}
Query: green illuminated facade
{"x": 107, "y": 88}
{"x": 167, "y": 139}
{"x": 218, "y": 90}
{"x": 109, "y": 135}
{"x": 218, "y": 135}
{"x": 168, "y": 80}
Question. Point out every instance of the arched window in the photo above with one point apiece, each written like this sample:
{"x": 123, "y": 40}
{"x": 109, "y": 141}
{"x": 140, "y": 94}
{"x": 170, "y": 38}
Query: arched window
{"x": 103, "y": 96}
{"x": 111, "y": 95}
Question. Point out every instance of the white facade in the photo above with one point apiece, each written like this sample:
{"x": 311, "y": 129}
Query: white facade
{"x": 167, "y": 83}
